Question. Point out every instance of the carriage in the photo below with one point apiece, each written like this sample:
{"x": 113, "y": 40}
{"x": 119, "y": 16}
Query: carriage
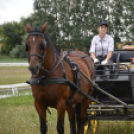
{"x": 120, "y": 84}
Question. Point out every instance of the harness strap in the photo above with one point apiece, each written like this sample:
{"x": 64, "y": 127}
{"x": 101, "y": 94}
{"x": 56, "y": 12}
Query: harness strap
{"x": 34, "y": 54}
{"x": 83, "y": 57}
{"x": 56, "y": 80}
{"x": 35, "y": 33}
{"x": 64, "y": 72}
{"x": 74, "y": 68}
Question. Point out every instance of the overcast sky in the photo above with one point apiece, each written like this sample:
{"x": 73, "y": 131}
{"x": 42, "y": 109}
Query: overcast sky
{"x": 13, "y": 10}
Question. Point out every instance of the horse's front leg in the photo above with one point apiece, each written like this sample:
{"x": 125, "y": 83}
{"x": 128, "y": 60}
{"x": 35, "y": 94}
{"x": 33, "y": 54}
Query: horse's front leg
{"x": 61, "y": 114}
{"x": 43, "y": 126}
{"x": 42, "y": 116}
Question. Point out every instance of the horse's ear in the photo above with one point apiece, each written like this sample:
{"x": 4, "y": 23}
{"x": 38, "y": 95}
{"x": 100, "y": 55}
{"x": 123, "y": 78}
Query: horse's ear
{"x": 43, "y": 29}
{"x": 28, "y": 27}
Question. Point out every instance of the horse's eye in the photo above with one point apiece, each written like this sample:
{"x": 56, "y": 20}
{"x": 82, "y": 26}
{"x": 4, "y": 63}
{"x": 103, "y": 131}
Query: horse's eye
{"x": 43, "y": 46}
{"x": 26, "y": 47}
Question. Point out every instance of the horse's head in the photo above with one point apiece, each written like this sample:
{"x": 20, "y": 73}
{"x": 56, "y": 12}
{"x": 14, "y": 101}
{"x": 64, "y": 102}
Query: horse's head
{"x": 35, "y": 46}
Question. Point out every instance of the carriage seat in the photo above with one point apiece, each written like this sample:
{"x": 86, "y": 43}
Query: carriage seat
{"x": 122, "y": 55}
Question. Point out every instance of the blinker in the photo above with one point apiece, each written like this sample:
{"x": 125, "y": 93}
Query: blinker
{"x": 44, "y": 43}
{"x": 26, "y": 47}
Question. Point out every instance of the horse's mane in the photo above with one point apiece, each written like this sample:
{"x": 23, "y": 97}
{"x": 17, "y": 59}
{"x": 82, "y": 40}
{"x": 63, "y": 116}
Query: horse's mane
{"x": 49, "y": 43}
{"x": 36, "y": 29}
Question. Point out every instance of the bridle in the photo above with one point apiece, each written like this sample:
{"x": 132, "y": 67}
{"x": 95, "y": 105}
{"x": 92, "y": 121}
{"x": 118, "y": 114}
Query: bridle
{"x": 44, "y": 45}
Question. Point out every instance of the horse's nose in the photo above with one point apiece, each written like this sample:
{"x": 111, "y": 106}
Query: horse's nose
{"x": 33, "y": 69}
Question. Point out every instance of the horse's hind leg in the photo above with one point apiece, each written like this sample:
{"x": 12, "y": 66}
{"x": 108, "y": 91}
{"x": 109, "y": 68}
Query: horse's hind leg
{"x": 61, "y": 114}
{"x": 71, "y": 115}
{"x": 78, "y": 116}
{"x": 82, "y": 115}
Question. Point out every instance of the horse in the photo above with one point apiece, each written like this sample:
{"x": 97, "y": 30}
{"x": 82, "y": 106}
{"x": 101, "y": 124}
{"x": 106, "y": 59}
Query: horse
{"x": 49, "y": 66}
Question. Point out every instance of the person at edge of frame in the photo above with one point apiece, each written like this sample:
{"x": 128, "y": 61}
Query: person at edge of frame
{"x": 127, "y": 47}
{"x": 102, "y": 47}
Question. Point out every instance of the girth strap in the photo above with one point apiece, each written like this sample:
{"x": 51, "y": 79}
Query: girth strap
{"x": 57, "y": 80}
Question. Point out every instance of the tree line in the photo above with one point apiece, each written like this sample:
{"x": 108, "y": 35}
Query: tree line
{"x": 71, "y": 24}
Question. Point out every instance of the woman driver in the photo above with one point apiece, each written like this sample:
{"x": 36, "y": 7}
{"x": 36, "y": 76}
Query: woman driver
{"x": 102, "y": 45}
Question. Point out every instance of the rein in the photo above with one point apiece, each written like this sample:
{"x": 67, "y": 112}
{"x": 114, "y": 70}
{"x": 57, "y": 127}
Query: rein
{"x": 52, "y": 69}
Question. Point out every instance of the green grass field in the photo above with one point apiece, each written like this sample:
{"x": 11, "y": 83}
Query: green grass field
{"x": 7, "y": 59}
{"x": 12, "y": 75}
{"x": 18, "y": 115}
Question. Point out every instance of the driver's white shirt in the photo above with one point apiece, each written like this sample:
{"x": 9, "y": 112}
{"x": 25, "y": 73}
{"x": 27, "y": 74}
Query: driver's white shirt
{"x": 101, "y": 47}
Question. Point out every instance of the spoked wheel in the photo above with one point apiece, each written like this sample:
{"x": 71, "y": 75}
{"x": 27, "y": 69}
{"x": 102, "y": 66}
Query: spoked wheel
{"x": 94, "y": 126}
{"x": 91, "y": 126}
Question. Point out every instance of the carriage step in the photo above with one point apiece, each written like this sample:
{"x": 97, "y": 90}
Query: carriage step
{"x": 96, "y": 110}
{"x": 104, "y": 106}
{"x": 97, "y": 106}
{"x": 130, "y": 107}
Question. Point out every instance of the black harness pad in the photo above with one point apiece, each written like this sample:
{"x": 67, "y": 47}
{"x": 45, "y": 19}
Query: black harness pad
{"x": 74, "y": 68}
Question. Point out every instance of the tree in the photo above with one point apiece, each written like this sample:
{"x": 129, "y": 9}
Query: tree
{"x": 10, "y": 33}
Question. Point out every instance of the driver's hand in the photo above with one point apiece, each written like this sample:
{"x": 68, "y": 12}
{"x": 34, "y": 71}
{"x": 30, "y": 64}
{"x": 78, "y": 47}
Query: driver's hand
{"x": 104, "y": 62}
{"x": 96, "y": 61}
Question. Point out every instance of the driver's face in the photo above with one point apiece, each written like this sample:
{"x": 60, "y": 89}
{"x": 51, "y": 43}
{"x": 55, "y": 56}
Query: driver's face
{"x": 102, "y": 29}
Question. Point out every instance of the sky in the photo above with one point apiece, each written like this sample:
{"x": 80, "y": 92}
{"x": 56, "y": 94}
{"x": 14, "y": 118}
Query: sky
{"x": 13, "y": 10}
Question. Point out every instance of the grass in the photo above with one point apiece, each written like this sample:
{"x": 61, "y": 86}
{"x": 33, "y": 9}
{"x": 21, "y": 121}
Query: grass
{"x": 13, "y": 75}
{"x": 18, "y": 116}
{"x": 116, "y": 127}
{"x": 7, "y": 59}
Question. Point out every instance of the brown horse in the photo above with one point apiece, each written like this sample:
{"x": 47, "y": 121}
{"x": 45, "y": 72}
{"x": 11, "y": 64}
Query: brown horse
{"x": 45, "y": 63}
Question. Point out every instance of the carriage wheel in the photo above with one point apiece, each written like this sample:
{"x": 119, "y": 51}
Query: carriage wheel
{"x": 92, "y": 125}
